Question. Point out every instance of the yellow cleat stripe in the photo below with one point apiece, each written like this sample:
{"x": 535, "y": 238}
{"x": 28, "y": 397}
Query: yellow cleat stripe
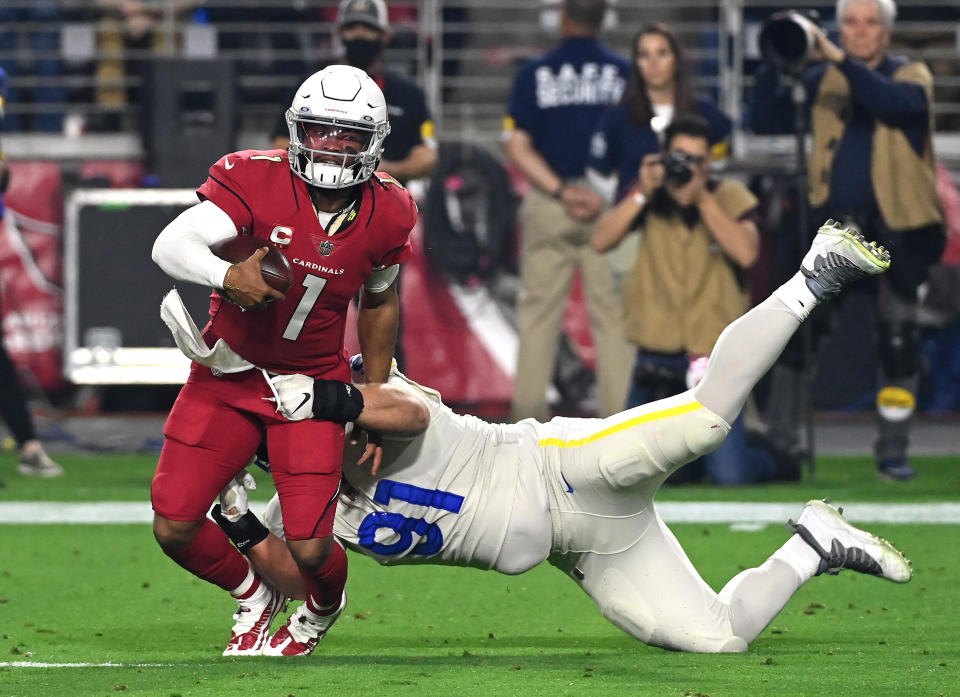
{"x": 879, "y": 261}
{"x": 630, "y": 423}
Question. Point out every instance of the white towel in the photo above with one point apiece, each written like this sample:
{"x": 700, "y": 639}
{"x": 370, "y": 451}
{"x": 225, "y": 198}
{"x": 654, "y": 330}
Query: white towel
{"x": 221, "y": 357}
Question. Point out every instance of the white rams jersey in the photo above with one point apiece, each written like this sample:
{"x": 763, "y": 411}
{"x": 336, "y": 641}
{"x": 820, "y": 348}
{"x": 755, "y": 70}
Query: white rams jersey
{"x": 446, "y": 495}
{"x": 470, "y": 493}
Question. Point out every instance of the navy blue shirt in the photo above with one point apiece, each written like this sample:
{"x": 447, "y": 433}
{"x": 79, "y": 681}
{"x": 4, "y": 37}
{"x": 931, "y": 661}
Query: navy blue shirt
{"x": 618, "y": 145}
{"x": 874, "y": 97}
{"x": 558, "y": 99}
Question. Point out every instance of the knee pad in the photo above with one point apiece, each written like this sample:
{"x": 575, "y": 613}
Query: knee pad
{"x": 898, "y": 346}
{"x": 619, "y": 602}
{"x": 702, "y": 432}
{"x": 895, "y": 403}
{"x": 703, "y": 642}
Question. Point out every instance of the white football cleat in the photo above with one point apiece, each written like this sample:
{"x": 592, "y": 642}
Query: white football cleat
{"x": 842, "y": 546}
{"x": 38, "y": 464}
{"x": 301, "y": 634}
{"x": 839, "y": 256}
{"x": 252, "y": 621}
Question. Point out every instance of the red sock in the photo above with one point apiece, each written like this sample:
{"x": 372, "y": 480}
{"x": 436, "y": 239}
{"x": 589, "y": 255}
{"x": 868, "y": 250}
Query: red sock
{"x": 211, "y": 557}
{"x": 325, "y": 586}
{"x": 248, "y": 588}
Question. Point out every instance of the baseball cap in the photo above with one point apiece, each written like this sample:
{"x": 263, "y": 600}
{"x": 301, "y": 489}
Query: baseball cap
{"x": 371, "y": 12}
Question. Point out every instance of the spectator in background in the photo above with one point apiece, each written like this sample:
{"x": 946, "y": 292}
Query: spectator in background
{"x": 699, "y": 236}
{"x": 364, "y": 31}
{"x": 268, "y": 44}
{"x": 129, "y": 35}
{"x": 554, "y": 106}
{"x": 658, "y": 87}
{"x": 29, "y": 32}
{"x": 34, "y": 461}
{"x": 871, "y": 166}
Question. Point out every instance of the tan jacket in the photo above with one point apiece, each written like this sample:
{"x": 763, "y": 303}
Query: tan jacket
{"x": 683, "y": 290}
{"x": 904, "y": 183}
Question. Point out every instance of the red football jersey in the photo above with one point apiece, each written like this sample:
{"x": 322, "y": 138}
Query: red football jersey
{"x": 304, "y": 333}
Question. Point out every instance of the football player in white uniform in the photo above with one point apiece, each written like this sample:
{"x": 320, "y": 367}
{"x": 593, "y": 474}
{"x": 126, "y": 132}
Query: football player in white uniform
{"x": 579, "y": 492}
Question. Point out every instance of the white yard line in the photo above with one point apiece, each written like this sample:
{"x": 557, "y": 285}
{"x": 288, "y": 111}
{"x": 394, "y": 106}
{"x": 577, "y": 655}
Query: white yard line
{"x": 41, "y": 664}
{"x": 732, "y": 512}
{"x": 947, "y": 513}
{"x": 30, "y": 512}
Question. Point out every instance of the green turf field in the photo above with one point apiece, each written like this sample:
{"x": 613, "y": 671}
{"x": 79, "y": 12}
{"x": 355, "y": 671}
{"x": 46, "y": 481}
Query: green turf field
{"x": 95, "y": 594}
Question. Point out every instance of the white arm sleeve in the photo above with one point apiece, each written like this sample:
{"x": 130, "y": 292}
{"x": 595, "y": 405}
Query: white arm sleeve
{"x": 182, "y": 249}
{"x": 380, "y": 279}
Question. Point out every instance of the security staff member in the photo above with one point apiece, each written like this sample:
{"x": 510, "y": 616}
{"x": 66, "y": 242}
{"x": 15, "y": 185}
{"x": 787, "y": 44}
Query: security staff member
{"x": 554, "y": 106}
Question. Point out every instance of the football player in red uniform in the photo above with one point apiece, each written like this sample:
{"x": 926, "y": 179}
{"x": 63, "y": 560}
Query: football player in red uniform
{"x": 343, "y": 229}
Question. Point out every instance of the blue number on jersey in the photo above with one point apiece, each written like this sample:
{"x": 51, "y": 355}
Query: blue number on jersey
{"x": 405, "y": 527}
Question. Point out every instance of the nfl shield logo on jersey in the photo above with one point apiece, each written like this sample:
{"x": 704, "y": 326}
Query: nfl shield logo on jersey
{"x": 325, "y": 248}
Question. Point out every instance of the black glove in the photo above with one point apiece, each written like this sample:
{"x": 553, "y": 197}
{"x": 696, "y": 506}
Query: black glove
{"x": 245, "y": 533}
{"x": 336, "y": 401}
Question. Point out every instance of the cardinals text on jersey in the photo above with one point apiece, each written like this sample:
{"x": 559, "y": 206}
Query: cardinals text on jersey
{"x": 304, "y": 333}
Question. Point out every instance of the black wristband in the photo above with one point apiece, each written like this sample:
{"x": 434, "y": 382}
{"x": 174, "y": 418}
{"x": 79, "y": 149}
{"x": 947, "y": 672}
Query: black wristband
{"x": 558, "y": 192}
{"x": 336, "y": 401}
{"x": 245, "y": 533}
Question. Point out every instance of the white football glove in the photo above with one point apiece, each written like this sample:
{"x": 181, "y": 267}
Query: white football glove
{"x": 233, "y": 499}
{"x": 293, "y": 395}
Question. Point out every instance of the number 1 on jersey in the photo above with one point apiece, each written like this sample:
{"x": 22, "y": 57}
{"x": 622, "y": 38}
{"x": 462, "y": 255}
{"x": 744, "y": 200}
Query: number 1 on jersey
{"x": 314, "y": 286}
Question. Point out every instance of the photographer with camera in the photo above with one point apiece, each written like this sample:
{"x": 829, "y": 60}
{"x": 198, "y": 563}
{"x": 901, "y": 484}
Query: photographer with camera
{"x": 871, "y": 166}
{"x": 697, "y": 238}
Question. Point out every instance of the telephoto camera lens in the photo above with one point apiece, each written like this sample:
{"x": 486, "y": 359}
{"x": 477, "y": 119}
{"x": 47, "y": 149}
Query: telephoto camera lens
{"x": 786, "y": 41}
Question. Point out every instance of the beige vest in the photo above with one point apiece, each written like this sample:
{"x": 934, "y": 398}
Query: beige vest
{"x": 683, "y": 290}
{"x": 904, "y": 183}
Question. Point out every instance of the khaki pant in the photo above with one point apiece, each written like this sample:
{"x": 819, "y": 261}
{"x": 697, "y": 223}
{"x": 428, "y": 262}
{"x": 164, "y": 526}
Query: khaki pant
{"x": 553, "y": 245}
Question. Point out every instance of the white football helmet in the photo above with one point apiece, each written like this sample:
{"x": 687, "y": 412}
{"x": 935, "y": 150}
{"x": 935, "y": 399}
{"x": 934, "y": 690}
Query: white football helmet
{"x": 337, "y": 122}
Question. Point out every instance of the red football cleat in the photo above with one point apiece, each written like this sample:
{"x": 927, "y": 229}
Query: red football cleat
{"x": 253, "y": 617}
{"x": 301, "y": 634}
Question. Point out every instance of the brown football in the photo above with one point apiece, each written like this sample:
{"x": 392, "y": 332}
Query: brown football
{"x": 274, "y": 267}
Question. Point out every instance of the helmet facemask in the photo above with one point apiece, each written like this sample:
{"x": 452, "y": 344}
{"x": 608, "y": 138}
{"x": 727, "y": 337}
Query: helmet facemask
{"x": 337, "y": 123}
{"x": 333, "y": 153}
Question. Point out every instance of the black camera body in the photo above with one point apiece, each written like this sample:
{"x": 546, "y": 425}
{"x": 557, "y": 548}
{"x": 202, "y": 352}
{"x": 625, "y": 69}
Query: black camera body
{"x": 678, "y": 166}
{"x": 786, "y": 40}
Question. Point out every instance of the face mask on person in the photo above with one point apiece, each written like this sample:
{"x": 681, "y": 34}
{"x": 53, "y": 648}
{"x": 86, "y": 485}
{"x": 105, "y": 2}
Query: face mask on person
{"x": 362, "y": 53}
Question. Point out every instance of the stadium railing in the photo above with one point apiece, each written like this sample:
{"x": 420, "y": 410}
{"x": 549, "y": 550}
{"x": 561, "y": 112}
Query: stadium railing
{"x": 464, "y": 53}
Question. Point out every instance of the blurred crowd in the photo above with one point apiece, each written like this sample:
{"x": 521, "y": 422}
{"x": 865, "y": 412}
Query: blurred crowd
{"x": 623, "y": 160}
